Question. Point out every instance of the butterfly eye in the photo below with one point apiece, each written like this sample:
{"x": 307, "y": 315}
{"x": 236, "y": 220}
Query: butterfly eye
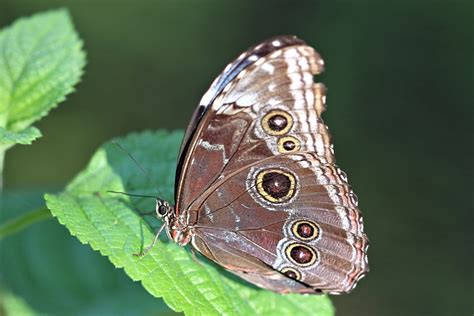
{"x": 291, "y": 273}
{"x": 305, "y": 230}
{"x": 288, "y": 144}
{"x": 163, "y": 210}
{"x": 301, "y": 255}
{"x": 276, "y": 185}
{"x": 277, "y": 122}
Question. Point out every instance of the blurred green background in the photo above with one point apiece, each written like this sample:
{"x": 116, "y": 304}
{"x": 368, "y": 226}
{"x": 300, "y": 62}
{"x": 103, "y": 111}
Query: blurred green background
{"x": 399, "y": 106}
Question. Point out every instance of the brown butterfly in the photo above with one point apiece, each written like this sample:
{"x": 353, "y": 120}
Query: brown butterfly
{"x": 257, "y": 188}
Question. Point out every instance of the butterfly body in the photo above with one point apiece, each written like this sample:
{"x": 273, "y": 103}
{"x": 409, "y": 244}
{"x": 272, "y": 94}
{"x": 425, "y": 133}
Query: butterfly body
{"x": 257, "y": 188}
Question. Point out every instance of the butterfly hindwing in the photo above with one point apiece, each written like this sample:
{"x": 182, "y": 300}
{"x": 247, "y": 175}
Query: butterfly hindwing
{"x": 246, "y": 212}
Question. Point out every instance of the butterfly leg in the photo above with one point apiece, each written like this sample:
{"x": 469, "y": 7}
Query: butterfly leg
{"x": 149, "y": 247}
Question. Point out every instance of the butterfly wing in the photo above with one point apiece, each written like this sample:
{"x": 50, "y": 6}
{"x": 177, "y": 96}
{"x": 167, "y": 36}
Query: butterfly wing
{"x": 259, "y": 137}
{"x": 277, "y": 73}
{"x": 308, "y": 228}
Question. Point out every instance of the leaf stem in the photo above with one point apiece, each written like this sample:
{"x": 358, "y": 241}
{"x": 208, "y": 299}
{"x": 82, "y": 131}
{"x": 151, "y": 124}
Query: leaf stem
{"x": 17, "y": 224}
{"x": 2, "y": 161}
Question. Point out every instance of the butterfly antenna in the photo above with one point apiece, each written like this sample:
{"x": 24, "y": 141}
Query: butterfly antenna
{"x": 136, "y": 195}
{"x": 147, "y": 176}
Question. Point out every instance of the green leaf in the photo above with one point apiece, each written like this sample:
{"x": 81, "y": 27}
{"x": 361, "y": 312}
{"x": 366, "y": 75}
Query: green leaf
{"x": 24, "y": 137}
{"x": 57, "y": 275}
{"x": 112, "y": 225}
{"x": 14, "y": 305}
{"x": 40, "y": 62}
{"x": 13, "y": 226}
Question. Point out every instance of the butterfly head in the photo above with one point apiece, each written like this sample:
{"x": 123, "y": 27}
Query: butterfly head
{"x": 176, "y": 226}
{"x": 163, "y": 209}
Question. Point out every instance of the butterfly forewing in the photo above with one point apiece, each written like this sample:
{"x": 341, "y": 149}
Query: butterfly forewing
{"x": 258, "y": 183}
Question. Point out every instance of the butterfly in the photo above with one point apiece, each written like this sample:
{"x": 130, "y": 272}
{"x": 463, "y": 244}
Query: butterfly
{"x": 257, "y": 189}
